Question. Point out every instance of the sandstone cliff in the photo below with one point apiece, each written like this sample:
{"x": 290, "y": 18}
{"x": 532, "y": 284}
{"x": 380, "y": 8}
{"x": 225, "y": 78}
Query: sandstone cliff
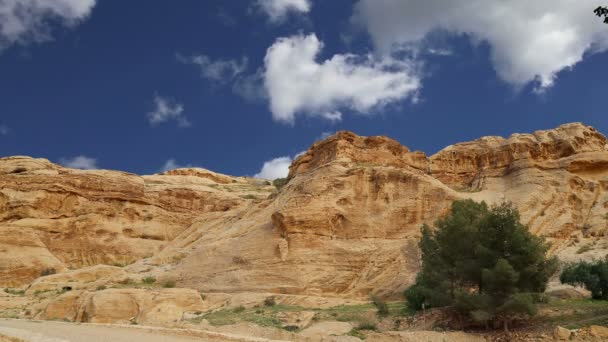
{"x": 346, "y": 224}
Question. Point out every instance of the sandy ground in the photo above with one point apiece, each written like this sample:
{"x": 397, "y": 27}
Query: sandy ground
{"x": 47, "y": 331}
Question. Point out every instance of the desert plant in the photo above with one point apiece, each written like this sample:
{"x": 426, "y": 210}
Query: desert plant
{"x": 380, "y": 305}
{"x": 148, "y": 280}
{"x": 279, "y": 183}
{"x": 168, "y": 284}
{"x": 47, "y": 271}
{"x": 239, "y": 309}
{"x": 101, "y": 287}
{"x": 270, "y": 301}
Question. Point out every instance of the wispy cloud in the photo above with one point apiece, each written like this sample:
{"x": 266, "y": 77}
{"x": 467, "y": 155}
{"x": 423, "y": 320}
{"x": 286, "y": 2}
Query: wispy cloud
{"x": 172, "y": 164}
{"x": 167, "y": 110}
{"x": 4, "y": 130}
{"x": 80, "y": 162}
{"x": 220, "y": 70}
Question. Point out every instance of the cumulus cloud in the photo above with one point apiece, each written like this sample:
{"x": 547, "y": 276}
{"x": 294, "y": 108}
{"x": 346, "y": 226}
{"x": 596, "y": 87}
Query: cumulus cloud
{"x": 4, "y": 130}
{"x": 220, "y": 70}
{"x": 80, "y": 162}
{"x": 275, "y": 168}
{"x": 530, "y": 41}
{"x": 26, "y": 21}
{"x": 277, "y": 10}
{"x": 297, "y": 83}
{"x": 166, "y": 110}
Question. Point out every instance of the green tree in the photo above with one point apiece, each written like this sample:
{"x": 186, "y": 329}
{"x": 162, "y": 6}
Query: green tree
{"x": 592, "y": 275}
{"x": 483, "y": 263}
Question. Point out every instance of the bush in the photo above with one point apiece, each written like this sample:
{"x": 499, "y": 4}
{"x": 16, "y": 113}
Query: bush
{"x": 101, "y": 287}
{"x": 239, "y": 309}
{"x": 380, "y": 305}
{"x": 367, "y": 326}
{"x": 279, "y": 183}
{"x": 169, "y": 284}
{"x": 592, "y": 275}
{"x": 47, "y": 272}
{"x": 149, "y": 280}
{"x": 291, "y": 328}
{"x": 270, "y": 301}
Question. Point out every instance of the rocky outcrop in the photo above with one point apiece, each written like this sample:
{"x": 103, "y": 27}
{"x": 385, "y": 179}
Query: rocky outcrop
{"x": 141, "y": 306}
{"x": 55, "y": 218}
{"x": 346, "y": 224}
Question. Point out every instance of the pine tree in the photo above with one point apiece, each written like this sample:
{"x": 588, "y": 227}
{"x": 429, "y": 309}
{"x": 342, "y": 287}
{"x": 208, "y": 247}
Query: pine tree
{"x": 483, "y": 263}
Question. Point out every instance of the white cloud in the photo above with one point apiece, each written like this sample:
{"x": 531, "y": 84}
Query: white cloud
{"x": 324, "y": 136}
{"x": 222, "y": 71}
{"x": 4, "y": 130}
{"x": 167, "y": 110}
{"x": 80, "y": 162}
{"x": 25, "y": 21}
{"x": 275, "y": 168}
{"x": 297, "y": 83}
{"x": 530, "y": 41}
{"x": 277, "y": 10}
{"x": 171, "y": 164}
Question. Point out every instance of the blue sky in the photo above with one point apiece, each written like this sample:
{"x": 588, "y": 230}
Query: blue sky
{"x": 140, "y": 85}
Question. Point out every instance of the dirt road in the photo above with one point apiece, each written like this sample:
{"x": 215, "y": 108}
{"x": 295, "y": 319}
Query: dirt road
{"x": 47, "y": 331}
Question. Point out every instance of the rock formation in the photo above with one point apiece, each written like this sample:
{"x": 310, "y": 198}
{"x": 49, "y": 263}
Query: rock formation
{"x": 345, "y": 225}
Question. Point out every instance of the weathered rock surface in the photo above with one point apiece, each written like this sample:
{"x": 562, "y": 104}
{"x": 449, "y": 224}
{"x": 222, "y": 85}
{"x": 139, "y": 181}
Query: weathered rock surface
{"x": 346, "y": 224}
{"x": 159, "y": 306}
{"x": 53, "y": 217}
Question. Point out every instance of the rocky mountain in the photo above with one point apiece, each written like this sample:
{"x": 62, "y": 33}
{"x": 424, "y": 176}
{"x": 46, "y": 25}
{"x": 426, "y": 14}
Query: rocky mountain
{"x": 345, "y": 225}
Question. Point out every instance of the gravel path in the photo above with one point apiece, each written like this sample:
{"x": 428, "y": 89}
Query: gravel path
{"x": 47, "y": 331}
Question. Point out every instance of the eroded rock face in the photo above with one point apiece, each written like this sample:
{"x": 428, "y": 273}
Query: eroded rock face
{"x": 345, "y": 225}
{"x": 156, "y": 307}
{"x": 52, "y": 217}
{"x": 347, "y": 222}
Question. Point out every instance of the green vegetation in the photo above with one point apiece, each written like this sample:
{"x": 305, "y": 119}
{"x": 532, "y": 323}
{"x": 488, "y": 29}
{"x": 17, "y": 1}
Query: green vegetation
{"x": 279, "y": 183}
{"x": 249, "y": 196}
{"x": 380, "y": 305}
{"x": 101, "y": 287}
{"x": 270, "y": 301}
{"x": 148, "y": 280}
{"x": 592, "y": 275}
{"x": 47, "y": 271}
{"x": 573, "y": 313}
{"x": 16, "y": 292}
{"x": 169, "y": 284}
{"x": 483, "y": 263}
{"x": 583, "y": 249}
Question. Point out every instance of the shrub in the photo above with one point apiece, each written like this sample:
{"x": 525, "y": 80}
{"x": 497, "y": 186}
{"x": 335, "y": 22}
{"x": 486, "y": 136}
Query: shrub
{"x": 270, "y": 301}
{"x": 239, "y": 309}
{"x": 149, "y": 280}
{"x": 291, "y": 328}
{"x": 367, "y": 326}
{"x": 380, "y": 305}
{"x": 168, "y": 284}
{"x": 592, "y": 275}
{"x": 101, "y": 287}
{"x": 583, "y": 249}
{"x": 47, "y": 271}
{"x": 279, "y": 183}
